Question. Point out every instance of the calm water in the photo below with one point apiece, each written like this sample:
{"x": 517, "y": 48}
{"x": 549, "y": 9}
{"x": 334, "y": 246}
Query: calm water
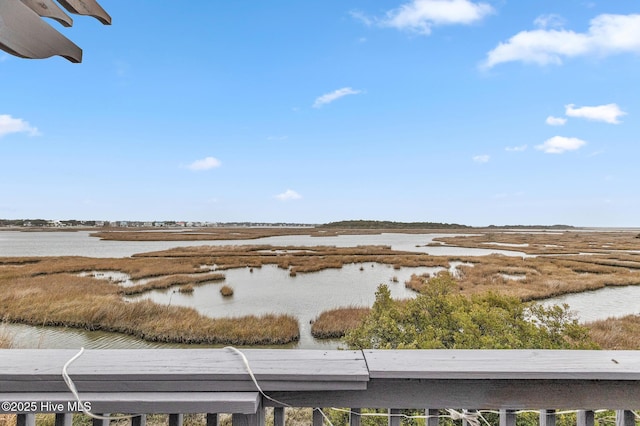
{"x": 16, "y": 243}
{"x": 603, "y": 303}
{"x": 269, "y": 289}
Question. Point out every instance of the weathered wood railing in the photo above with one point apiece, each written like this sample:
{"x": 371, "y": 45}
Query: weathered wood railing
{"x": 217, "y": 381}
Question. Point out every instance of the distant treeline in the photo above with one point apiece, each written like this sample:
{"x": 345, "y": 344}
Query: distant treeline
{"x": 530, "y": 226}
{"x": 385, "y": 224}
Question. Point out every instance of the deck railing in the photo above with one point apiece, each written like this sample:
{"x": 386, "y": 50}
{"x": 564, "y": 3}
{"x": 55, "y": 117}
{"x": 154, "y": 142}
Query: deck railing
{"x": 214, "y": 381}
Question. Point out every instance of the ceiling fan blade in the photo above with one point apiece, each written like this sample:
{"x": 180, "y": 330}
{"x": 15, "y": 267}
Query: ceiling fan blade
{"x": 49, "y": 9}
{"x": 87, "y": 7}
{"x": 23, "y": 33}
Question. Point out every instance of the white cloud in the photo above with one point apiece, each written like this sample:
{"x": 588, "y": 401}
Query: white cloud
{"x": 204, "y": 164}
{"x": 560, "y": 144}
{"x": 516, "y": 148}
{"x": 555, "y": 121}
{"x": 9, "y": 125}
{"x": 327, "y": 98}
{"x": 420, "y": 16}
{"x": 607, "y": 35}
{"x": 289, "y": 194}
{"x": 608, "y": 113}
{"x": 549, "y": 21}
{"x": 481, "y": 158}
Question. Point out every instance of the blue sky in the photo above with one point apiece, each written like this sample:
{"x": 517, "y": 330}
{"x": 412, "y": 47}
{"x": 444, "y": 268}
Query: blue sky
{"x": 473, "y": 112}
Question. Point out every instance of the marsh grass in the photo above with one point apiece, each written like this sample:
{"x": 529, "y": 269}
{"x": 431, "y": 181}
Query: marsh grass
{"x": 7, "y": 419}
{"x": 172, "y": 281}
{"x": 335, "y": 323}
{"x": 552, "y": 242}
{"x": 616, "y": 333}
{"x": 249, "y": 233}
{"x": 5, "y": 338}
{"x": 87, "y": 303}
{"x": 226, "y": 291}
{"x": 48, "y": 291}
{"x": 186, "y": 289}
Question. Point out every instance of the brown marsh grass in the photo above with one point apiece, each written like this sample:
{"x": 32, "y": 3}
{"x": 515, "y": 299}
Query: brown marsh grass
{"x": 172, "y": 281}
{"x": 186, "y": 289}
{"x": 226, "y": 291}
{"x": 49, "y": 290}
{"x": 296, "y": 259}
{"x": 335, "y": 323}
{"x": 616, "y": 333}
{"x": 64, "y": 299}
{"x": 247, "y": 233}
{"x": 5, "y": 338}
{"x": 549, "y": 242}
{"x": 7, "y": 419}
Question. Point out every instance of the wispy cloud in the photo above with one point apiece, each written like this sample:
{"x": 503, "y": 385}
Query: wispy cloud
{"x": 608, "y": 113}
{"x": 207, "y": 163}
{"x": 481, "y": 158}
{"x": 289, "y": 194}
{"x": 607, "y": 35}
{"x": 419, "y": 16}
{"x": 560, "y": 144}
{"x": 327, "y": 98}
{"x": 555, "y": 121}
{"x": 516, "y": 148}
{"x": 549, "y": 21}
{"x": 9, "y": 125}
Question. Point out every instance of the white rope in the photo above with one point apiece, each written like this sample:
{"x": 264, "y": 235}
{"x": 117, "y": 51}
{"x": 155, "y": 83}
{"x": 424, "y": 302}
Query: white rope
{"x": 255, "y": 382}
{"x": 74, "y": 391}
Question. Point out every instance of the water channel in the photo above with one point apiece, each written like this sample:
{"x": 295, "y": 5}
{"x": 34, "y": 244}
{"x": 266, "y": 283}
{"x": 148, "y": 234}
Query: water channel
{"x": 270, "y": 289}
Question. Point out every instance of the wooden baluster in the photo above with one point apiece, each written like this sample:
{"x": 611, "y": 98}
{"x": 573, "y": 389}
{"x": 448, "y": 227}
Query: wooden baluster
{"x": 625, "y": 418}
{"x": 507, "y": 418}
{"x": 394, "y": 418}
{"x": 100, "y": 422}
{"x": 278, "y": 416}
{"x": 212, "y": 419}
{"x": 176, "y": 419}
{"x": 547, "y": 417}
{"x": 63, "y": 419}
{"x": 248, "y": 419}
{"x": 354, "y": 417}
{"x": 318, "y": 418}
{"x": 28, "y": 419}
{"x": 432, "y": 416}
{"x": 585, "y": 418}
{"x": 140, "y": 420}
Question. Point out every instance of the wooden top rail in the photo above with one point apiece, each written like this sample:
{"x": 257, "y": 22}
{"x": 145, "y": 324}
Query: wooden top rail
{"x": 499, "y": 379}
{"x": 187, "y": 370}
{"x": 504, "y": 364}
